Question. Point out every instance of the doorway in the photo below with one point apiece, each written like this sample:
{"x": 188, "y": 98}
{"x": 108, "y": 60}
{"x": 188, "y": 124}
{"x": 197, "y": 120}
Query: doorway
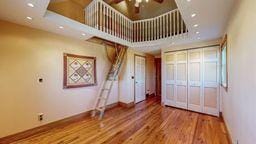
{"x": 158, "y": 76}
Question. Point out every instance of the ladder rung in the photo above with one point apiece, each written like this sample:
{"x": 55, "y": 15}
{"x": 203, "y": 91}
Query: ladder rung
{"x": 100, "y": 109}
{"x": 105, "y": 89}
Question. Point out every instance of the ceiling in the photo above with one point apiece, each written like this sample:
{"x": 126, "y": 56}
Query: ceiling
{"x": 147, "y": 9}
{"x": 211, "y": 16}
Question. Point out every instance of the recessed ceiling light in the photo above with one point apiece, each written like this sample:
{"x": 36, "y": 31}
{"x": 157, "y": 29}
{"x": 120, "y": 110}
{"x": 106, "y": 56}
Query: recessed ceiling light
{"x": 83, "y": 34}
{"x": 199, "y": 38}
{"x": 30, "y": 5}
{"x": 197, "y": 32}
{"x": 188, "y": 0}
{"x": 146, "y": 0}
{"x": 196, "y": 25}
{"x": 61, "y": 27}
{"x": 30, "y": 18}
{"x": 193, "y": 15}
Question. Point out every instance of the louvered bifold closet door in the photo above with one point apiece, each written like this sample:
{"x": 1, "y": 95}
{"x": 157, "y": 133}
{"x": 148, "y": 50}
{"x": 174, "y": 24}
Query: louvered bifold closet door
{"x": 181, "y": 80}
{"x": 170, "y": 79}
{"x": 195, "y": 76}
{"x": 211, "y": 80}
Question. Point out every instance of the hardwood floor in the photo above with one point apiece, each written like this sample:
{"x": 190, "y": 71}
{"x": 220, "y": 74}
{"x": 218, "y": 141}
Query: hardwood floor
{"x": 148, "y": 122}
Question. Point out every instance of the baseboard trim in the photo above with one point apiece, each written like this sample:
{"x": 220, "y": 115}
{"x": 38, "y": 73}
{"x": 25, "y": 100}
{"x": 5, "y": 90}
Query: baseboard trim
{"x": 126, "y": 105}
{"x": 226, "y": 128}
{"x": 49, "y": 126}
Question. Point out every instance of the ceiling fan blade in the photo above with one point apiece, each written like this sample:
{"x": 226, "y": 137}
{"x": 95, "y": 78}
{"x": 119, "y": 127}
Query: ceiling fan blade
{"x": 114, "y": 1}
{"x": 159, "y": 1}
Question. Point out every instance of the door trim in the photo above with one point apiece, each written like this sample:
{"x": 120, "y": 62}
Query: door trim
{"x": 135, "y": 76}
{"x": 192, "y": 48}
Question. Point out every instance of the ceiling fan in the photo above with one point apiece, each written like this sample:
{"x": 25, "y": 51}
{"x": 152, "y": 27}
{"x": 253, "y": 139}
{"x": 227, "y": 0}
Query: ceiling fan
{"x": 137, "y": 3}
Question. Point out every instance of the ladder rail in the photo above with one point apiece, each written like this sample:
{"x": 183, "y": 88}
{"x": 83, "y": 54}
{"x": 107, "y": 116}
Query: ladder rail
{"x": 98, "y": 98}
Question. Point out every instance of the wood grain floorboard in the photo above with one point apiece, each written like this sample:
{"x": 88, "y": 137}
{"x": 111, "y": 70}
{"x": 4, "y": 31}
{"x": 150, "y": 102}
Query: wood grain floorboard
{"x": 146, "y": 123}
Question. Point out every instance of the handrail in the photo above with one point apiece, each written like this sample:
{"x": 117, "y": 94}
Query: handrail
{"x": 148, "y": 19}
{"x": 100, "y": 15}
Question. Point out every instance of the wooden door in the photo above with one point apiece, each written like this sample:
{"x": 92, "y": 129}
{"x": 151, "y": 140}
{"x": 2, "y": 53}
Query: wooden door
{"x": 181, "y": 80}
{"x": 195, "y": 96}
{"x": 140, "y": 78}
{"x": 211, "y": 80}
{"x": 158, "y": 76}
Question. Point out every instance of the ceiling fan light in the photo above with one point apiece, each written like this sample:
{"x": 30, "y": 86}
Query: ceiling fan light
{"x": 137, "y": 4}
{"x": 138, "y": 1}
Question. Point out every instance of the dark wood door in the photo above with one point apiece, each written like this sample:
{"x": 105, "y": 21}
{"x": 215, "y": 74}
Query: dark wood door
{"x": 158, "y": 76}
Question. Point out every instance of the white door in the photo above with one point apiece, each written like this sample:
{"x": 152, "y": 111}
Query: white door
{"x": 211, "y": 80}
{"x": 181, "y": 80}
{"x": 140, "y": 77}
{"x": 170, "y": 79}
{"x": 195, "y": 96}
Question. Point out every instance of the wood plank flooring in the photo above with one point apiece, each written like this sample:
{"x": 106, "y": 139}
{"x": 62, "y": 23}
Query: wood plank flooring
{"x": 146, "y": 123}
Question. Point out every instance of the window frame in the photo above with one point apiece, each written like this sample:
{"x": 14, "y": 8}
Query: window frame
{"x": 224, "y": 44}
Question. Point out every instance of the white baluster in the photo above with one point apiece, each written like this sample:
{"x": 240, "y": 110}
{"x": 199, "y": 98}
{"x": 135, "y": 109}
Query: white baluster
{"x": 104, "y": 18}
{"x": 107, "y": 16}
{"x": 125, "y": 26}
{"x": 178, "y": 22}
{"x": 158, "y": 28}
{"x": 167, "y": 25}
{"x": 163, "y": 26}
{"x": 100, "y": 13}
{"x": 174, "y": 23}
{"x": 97, "y": 15}
{"x": 143, "y": 30}
{"x": 112, "y": 22}
{"x": 146, "y": 22}
{"x": 182, "y": 29}
{"x": 154, "y": 29}
{"x": 89, "y": 15}
{"x": 171, "y": 24}
{"x": 115, "y": 24}
{"x": 137, "y": 37}
{"x": 119, "y": 26}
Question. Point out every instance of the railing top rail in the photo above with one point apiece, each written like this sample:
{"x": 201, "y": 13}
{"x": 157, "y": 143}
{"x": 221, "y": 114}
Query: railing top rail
{"x": 149, "y": 19}
{"x": 108, "y": 6}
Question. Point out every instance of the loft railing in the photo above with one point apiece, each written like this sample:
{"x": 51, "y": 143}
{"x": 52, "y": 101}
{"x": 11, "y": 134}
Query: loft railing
{"x": 103, "y": 17}
{"x": 99, "y": 15}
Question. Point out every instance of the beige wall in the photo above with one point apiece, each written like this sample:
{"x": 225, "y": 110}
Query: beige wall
{"x": 27, "y": 54}
{"x": 239, "y": 103}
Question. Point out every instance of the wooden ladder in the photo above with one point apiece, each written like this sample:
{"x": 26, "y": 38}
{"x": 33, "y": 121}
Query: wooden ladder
{"x": 103, "y": 96}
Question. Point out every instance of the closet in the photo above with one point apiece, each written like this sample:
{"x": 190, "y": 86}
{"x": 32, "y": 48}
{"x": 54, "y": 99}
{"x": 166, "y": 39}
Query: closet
{"x": 192, "y": 79}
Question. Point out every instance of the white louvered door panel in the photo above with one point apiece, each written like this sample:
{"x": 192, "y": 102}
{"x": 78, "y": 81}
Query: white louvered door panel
{"x": 211, "y": 80}
{"x": 181, "y": 79}
{"x": 195, "y": 96}
{"x": 170, "y": 79}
